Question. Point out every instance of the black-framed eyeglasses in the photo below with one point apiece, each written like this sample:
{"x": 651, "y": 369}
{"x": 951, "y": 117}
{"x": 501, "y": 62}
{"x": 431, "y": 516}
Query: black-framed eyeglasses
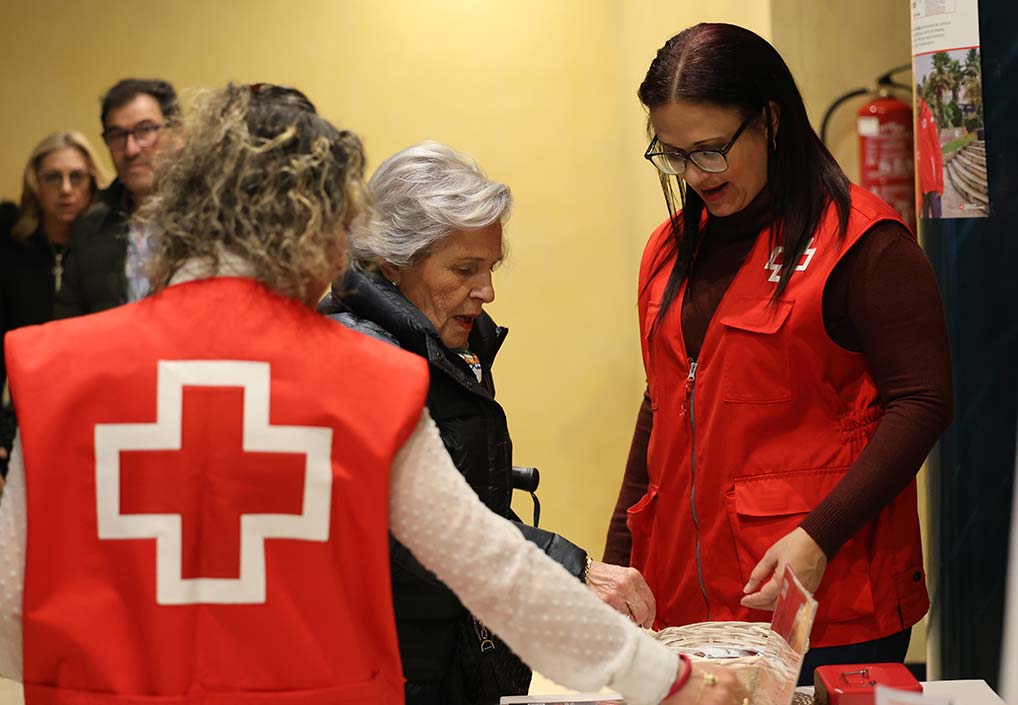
{"x": 713, "y": 161}
{"x": 78, "y": 178}
{"x": 145, "y": 134}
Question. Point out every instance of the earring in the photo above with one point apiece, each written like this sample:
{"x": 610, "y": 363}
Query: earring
{"x": 394, "y": 283}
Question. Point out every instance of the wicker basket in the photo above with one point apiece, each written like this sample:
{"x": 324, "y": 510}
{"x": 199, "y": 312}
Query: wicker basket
{"x": 740, "y": 646}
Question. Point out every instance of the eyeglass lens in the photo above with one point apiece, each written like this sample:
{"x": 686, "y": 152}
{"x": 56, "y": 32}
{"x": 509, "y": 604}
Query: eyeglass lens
{"x": 55, "y": 179}
{"x": 144, "y": 135}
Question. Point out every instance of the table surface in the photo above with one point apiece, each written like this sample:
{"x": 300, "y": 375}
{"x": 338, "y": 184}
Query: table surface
{"x": 967, "y": 692}
{"x": 961, "y": 692}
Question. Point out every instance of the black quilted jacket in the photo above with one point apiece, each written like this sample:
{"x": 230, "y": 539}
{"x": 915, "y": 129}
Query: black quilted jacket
{"x": 473, "y": 427}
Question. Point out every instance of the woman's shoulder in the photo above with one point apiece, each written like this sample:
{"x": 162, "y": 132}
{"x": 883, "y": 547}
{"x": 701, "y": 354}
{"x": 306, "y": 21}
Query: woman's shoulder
{"x": 659, "y": 249}
{"x": 17, "y": 253}
{"x": 363, "y": 325}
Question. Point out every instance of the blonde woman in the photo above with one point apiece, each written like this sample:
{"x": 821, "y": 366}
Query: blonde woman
{"x": 230, "y": 464}
{"x": 61, "y": 180}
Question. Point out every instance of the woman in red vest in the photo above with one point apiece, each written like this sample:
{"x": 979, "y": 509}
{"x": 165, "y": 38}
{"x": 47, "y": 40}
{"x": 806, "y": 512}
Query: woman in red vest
{"x": 211, "y": 524}
{"x": 797, "y": 366}
{"x": 929, "y": 160}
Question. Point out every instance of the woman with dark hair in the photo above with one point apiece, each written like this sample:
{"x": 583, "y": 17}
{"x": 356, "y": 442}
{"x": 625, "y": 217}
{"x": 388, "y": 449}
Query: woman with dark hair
{"x": 795, "y": 385}
{"x": 212, "y": 523}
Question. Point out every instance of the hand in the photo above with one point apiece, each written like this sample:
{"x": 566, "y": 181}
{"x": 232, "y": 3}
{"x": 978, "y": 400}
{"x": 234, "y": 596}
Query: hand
{"x": 720, "y": 687}
{"x": 625, "y": 590}
{"x": 797, "y": 549}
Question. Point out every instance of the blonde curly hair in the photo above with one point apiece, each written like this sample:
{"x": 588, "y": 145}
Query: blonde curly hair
{"x": 261, "y": 177}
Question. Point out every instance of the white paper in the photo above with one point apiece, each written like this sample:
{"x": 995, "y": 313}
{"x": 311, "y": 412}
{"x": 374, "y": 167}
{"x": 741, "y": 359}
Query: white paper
{"x": 893, "y": 696}
{"x": 944, "y": 25}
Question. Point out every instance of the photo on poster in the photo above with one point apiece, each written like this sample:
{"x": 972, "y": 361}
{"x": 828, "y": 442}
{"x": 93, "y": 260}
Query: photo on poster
{"x": 950, "y": 135}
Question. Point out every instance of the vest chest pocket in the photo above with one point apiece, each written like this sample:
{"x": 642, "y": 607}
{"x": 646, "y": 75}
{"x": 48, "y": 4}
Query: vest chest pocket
{"x": 755, "y": 367}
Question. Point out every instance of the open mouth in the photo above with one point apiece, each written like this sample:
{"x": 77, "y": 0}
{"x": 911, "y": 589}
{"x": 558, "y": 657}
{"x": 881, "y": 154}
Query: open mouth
{"x": 466, "y": 321}
{"x": 714, "y": 193}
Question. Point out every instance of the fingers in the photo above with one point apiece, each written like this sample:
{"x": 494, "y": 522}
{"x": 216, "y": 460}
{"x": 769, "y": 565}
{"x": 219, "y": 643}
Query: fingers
{"x": 765, "y": 599}
{"x": 643, "y": 606}
{"x": 625, "y": 590}
{"x": 761, "y": 572}
{"x": 729, "y": 689}
{"x": 640, "y": 612}
{"x": 711, "y": 685}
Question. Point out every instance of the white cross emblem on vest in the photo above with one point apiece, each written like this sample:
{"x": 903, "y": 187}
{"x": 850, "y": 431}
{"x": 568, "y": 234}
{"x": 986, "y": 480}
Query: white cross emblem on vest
{"x": 774, "y": 267}
{"x": 258, "y": 437}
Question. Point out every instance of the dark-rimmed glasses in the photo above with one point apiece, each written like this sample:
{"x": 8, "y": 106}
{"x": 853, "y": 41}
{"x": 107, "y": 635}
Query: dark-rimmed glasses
{"x": 144, "y": 134}
{"x": 712, "y": 161}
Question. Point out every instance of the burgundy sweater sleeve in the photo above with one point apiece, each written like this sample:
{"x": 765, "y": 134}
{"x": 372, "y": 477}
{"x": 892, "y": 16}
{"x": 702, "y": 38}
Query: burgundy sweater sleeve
{"x": 634, "y": 486}
{"x": 883, "y": 300}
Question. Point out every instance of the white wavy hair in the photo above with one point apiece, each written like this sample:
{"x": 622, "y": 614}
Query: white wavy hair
{"x": 421, "y": 194}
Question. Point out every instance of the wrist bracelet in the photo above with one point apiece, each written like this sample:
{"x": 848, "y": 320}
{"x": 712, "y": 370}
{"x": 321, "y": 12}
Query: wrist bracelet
{"x": 685, "y": 671}
{"x": 586, "y": 570}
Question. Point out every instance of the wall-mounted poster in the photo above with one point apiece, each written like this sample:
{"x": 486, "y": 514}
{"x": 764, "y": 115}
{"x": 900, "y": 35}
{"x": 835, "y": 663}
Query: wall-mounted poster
{"x": 950, "y": 135}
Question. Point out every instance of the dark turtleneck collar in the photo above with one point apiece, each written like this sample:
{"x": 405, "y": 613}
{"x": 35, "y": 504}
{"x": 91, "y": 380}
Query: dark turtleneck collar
{"x": 743, "y": 225}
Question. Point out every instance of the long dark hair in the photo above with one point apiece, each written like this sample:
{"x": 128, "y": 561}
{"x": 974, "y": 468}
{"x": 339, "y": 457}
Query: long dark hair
{"x": 726, "y": 65}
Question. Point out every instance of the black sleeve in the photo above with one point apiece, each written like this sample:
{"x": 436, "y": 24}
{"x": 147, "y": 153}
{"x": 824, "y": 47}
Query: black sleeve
{"x": 562, "y": 551}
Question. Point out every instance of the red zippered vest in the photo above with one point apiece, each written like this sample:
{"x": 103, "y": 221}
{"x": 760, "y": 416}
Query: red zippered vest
{"x": 753, "y": 437}
{"x": 207, "y": 484}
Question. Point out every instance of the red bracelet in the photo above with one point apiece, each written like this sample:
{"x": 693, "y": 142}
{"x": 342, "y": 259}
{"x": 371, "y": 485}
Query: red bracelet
{"x": 682, "y": 676}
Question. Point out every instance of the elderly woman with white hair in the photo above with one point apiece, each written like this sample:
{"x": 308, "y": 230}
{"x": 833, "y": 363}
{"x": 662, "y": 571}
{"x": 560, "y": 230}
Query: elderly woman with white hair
{"x": 420, "y": 280}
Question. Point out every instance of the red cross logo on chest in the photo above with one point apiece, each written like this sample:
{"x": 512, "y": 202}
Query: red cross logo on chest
{"x": 776, "y": 261}
{"x": 211, "y": 480}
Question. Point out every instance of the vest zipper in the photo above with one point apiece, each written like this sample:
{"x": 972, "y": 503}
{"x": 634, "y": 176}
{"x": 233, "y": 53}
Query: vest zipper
{"x": 690, "y": 389}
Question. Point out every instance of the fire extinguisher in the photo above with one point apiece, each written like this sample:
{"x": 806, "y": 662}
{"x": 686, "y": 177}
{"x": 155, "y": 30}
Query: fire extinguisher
{"x": 886, "y": 157}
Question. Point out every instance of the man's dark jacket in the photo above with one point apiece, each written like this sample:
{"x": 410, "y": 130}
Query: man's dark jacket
{"x": 94, "y": 278}
{"x": 473, "y": 428}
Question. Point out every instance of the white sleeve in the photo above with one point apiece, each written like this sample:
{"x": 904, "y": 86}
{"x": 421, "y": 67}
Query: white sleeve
{"x": 12, "y": 564}
{"x": 545, "y": 614}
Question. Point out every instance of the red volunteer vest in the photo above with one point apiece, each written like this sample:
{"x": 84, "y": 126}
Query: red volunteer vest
{"x": 747, "y": 443}
{"x": 207, "y": 483}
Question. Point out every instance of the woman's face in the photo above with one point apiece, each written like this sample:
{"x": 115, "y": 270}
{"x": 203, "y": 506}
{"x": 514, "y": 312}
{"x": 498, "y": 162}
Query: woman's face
{"x": 685, "y": 126}
{"x": 452, "y": 284}
{"x": 65, "y": 185}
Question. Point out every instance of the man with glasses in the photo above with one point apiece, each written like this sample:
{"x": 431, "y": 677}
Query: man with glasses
{"x": 104, "y": 267}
